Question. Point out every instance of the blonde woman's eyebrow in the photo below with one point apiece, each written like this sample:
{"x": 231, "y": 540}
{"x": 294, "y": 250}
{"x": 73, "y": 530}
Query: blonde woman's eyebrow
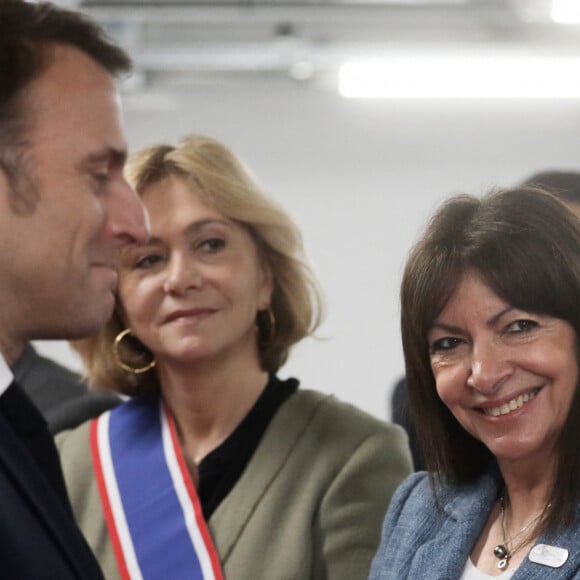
{"x": 198, "y": 225}
{"x": 190, "y": 230}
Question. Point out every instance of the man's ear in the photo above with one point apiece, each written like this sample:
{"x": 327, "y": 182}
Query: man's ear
{"x": 21, "y": 197}
{"x": 5, "y": 191}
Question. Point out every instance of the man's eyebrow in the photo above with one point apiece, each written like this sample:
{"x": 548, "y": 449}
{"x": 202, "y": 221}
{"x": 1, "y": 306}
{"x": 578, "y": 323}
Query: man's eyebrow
{"x": 110, "y": 155}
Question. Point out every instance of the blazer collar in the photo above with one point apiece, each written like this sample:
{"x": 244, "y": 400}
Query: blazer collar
{"x": 464, "y": 513}
{"x": 287, "y": 426}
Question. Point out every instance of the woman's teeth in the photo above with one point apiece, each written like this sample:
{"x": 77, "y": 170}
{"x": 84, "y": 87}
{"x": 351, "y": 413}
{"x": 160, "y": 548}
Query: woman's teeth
{"x": 512, "y": 405}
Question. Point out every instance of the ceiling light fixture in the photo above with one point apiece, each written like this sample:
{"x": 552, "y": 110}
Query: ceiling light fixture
{"x": 566, "y": 11}
{"x": 476, "y": 76}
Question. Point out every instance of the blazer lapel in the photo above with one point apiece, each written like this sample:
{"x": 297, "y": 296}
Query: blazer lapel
{"x": 287, "y": 426}
{"x": 464, "y": 515}
{"x": 444, "y": 556}
{"x": 40, "y": 495}
{"x": 569, "y": 540}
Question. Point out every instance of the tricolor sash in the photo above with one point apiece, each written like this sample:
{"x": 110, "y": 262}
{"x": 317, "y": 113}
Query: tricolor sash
{"x": 151, "y": 508}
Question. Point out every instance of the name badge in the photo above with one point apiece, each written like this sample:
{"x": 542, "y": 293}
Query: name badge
{"x": 548, "y": 555}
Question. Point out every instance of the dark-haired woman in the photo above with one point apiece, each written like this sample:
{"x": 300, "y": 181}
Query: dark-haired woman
{"x": 491, "y": 320}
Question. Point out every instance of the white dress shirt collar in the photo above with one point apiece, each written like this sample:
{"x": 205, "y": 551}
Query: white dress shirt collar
{"x": 6, "y": 377}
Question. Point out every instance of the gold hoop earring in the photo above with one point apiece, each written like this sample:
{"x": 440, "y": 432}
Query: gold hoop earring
{"x": 123, "y": 365}
{"x": 268, "y": 326}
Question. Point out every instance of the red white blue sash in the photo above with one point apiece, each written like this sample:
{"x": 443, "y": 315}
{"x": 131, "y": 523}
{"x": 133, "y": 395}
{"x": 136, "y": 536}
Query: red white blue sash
{"x": 151, "y": 508}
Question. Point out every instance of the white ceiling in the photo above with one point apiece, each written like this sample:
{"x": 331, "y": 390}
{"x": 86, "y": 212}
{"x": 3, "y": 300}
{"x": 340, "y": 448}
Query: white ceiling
{"x": 180, "y": 43}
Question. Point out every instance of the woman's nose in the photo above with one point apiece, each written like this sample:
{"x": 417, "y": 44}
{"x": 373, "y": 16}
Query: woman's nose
{"x": 489, "y": 368}
{"x": 182, "y": 276}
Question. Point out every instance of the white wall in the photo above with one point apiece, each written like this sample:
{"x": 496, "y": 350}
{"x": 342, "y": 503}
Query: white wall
{"x": 361, "y": 178}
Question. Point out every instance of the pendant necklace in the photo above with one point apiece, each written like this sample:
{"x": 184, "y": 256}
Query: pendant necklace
{"x": 502, "y": 551}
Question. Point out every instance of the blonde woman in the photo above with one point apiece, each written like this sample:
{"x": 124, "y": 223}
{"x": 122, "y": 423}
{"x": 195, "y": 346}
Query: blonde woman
{"x": 282, "y": 482}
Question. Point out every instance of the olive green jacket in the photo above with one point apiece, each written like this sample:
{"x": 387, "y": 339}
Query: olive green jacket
{"x": 309, "y": 504}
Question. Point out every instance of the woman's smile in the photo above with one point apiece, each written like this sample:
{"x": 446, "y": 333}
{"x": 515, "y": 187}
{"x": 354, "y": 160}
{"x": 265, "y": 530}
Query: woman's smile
{"x": 511, "y": 405}
{"x": 190, "y": 315}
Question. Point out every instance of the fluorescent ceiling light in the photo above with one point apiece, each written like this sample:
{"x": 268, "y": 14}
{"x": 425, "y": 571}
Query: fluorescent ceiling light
{"x": 462, "y": 77}
{"x": 566, "y": 11}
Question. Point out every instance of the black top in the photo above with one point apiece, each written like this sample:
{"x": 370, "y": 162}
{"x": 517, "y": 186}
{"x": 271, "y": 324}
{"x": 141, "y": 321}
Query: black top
{"x": 220, "y": 470}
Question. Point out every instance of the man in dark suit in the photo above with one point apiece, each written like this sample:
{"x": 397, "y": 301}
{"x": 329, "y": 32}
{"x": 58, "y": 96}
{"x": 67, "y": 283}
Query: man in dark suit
{"x": 65, "y": 210}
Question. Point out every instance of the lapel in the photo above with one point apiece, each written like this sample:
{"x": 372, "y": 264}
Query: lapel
{"x": 40, "y": 496}
{"x": 570, "y": 540}
{"x": 286, "y": 428}
{"x": 464, "y": 515}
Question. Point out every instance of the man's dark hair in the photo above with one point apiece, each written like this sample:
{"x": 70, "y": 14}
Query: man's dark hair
{"x": 28, "y": 33}
{"x": 563, "y": 184}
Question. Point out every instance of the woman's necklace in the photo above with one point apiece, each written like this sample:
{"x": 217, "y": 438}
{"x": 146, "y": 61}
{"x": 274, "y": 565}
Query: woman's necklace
{"x": 502, "y": 551}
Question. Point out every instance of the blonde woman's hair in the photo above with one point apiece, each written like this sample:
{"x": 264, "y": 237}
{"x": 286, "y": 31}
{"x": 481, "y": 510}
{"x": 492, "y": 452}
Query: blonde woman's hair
{"x": 225, "y": 184}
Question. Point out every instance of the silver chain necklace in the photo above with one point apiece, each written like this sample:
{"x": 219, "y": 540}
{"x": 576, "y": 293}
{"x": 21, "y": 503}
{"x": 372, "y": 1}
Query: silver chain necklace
{"x": 502, "y": 551}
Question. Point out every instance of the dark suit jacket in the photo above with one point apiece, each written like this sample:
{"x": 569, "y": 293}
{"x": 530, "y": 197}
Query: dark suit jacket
{"x": 38, "y": 537}
{"x": 59, "y": 394}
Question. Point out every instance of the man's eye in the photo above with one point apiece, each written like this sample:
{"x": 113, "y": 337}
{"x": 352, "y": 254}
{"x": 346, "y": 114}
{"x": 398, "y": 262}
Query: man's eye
{"x": 101, "y": 180}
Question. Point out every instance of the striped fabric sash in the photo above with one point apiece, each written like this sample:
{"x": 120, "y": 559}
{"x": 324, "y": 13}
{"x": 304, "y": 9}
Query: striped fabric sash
{"x": 151, "y": 508}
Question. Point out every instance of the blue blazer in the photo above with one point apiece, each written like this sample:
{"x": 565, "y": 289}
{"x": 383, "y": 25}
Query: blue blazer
{"x": 419, "y": 541}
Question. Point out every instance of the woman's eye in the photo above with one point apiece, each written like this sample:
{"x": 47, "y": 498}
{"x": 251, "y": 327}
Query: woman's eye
{"x": 444, "y": 344}
{"x": 213, "y": 244}
{"x": 521, "y": 326}
{"x": 146, "y": 262}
